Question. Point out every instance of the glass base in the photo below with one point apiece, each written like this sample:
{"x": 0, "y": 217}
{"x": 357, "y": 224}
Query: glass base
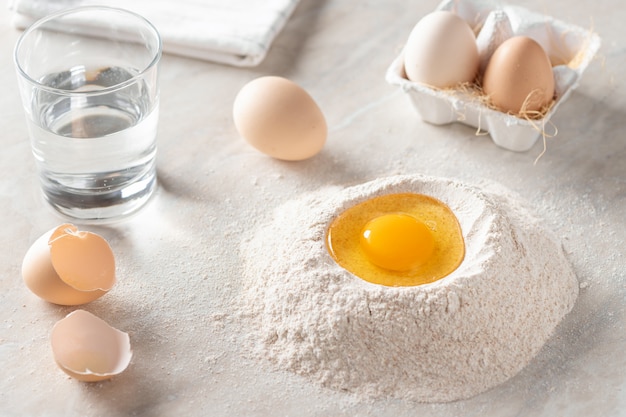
{"x": 104, "y": 206}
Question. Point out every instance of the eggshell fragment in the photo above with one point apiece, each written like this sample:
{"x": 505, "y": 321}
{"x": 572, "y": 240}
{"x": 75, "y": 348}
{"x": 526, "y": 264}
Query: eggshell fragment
{"x": 280, "y": 119}
{"x": 441, "y": 51}
{"x": 518, "y": 78}
{"x": 87, "y": 348}
{"x": 69, "y": 267}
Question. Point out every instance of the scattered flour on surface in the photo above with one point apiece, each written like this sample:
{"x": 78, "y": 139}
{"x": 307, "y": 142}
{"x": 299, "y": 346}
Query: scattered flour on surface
{"x": 439, "y": 342}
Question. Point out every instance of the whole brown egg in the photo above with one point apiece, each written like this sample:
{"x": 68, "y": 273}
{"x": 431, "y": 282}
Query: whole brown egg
{"x": 518, "y": 78}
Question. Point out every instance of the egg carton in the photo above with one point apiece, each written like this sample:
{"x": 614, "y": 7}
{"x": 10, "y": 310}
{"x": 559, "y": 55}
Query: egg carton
{"x": 570, "y": 48}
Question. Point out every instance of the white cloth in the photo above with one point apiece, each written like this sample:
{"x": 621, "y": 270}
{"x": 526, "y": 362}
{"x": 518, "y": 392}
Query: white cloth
{"x": 235, "y": 32}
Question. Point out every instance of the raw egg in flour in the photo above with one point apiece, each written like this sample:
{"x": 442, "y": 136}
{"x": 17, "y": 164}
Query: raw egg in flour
{"x": 402, "y": 239}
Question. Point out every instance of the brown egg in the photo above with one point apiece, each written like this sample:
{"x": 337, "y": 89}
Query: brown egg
{"x": 68, "y": 267}
{"x": 280, "y": 119}
{"x": 87, "y": 348}
{"x": 518, "y": 78}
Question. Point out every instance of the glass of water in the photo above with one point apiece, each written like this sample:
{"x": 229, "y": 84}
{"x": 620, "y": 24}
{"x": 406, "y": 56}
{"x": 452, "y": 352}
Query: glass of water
{"x": 88, "y": 78}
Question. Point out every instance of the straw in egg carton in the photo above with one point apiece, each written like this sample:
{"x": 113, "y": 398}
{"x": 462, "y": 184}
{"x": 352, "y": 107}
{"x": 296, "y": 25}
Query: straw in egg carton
{"x": 570, "y": 50}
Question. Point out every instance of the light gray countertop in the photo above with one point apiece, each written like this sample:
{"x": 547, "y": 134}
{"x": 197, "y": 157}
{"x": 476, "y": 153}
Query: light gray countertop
{"x": 179, "y": 267}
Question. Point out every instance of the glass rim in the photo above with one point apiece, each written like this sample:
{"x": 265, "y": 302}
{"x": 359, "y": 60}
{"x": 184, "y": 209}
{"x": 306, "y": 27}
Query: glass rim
{"x": 73, "y": 10}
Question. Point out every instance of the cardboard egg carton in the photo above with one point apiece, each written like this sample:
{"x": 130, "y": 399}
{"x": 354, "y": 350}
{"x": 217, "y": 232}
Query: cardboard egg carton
{"x": 570, "y": 48}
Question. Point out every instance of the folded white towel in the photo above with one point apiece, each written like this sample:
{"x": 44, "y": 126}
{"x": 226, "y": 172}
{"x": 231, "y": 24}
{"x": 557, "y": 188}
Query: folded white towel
{"x": 235, "y": 32}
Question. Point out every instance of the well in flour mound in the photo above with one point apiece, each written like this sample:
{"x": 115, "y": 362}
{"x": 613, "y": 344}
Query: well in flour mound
{"x": 438, "y": 342}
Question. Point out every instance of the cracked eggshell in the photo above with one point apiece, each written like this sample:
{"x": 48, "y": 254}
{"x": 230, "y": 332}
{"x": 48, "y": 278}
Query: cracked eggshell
{"x": 87, "y": 348}
{"x": 69, "y": 267}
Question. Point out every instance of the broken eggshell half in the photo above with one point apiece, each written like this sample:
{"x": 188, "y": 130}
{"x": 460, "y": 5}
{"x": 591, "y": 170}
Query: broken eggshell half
{"x": 88, "y": 349}
{"x": 69, "y": 267}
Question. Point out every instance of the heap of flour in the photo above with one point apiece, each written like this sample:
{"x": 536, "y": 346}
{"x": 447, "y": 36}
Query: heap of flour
{"x": 438, "y": 342}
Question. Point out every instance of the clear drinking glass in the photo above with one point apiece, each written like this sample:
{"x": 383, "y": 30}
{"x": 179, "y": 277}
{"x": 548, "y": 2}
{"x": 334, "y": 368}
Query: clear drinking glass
{"x": 88, "y": 78}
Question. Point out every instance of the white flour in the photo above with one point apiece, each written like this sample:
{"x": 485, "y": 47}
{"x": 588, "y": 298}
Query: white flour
{"x": 444, "y": 341}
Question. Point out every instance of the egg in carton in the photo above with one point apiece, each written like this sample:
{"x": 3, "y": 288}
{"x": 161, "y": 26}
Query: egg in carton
{"x": 570, "y": 49}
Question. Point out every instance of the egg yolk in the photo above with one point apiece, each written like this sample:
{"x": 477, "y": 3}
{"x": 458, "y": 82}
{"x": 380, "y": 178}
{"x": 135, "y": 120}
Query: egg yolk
{"x": 403, "y": 239}
{"x": 397, "y": 241}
